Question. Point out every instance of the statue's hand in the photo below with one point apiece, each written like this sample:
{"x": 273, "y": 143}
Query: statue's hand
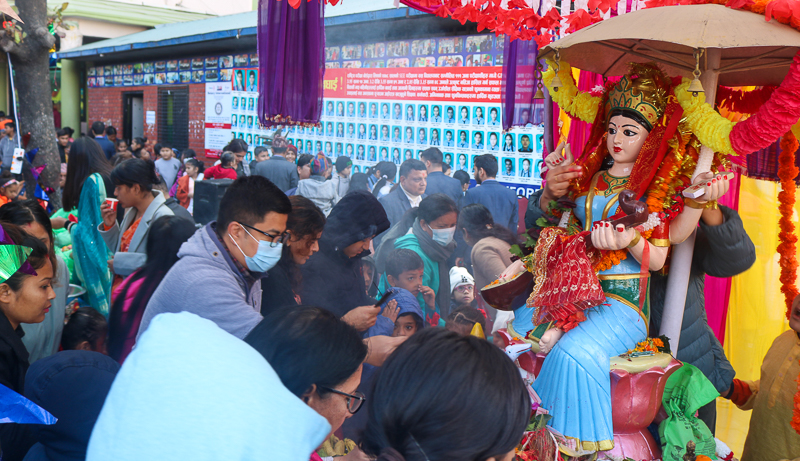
{"x": 608, "y": 237}
{"x": 549, "y": 339}
{"x": 560, "y": 172}
{"x": 714, "y": 186}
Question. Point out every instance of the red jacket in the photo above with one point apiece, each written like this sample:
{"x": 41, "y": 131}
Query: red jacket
{"x": 217, "y": 172}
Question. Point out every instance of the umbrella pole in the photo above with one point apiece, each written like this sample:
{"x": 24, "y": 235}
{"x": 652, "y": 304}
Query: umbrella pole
{"x": 681, "y": 263}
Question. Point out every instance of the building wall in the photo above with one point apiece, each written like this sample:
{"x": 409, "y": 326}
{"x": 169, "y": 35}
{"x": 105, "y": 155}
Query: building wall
{"x": 106, "y": 105}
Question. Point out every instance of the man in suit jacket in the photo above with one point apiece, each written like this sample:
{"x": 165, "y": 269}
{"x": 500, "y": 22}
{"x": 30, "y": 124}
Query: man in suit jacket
{"x": 438, "y": 182}
{"x": 277, "y": 169}
{"x": 407, "y": 194}
{"x": 499, "y": 199}
{"x": 99, "y": 130}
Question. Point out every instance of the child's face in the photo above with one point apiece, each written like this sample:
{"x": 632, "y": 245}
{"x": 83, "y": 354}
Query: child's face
{"x": 404, "y": 326}
{"x": 63, "y": 180}
{"x": 11, "y": 191}
{"x": 367, "y": 271}
{"x": 166, "y": 153}
{"x": 410, "y": 280}
{"x": 464, "y": 294}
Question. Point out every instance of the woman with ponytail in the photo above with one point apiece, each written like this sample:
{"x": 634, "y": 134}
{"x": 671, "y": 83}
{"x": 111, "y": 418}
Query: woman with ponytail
{"x": 133, "y": 186}
{"x": 421, "y": 409}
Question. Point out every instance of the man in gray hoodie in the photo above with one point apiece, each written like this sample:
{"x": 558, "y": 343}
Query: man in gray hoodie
{"x": 218, "y": 275}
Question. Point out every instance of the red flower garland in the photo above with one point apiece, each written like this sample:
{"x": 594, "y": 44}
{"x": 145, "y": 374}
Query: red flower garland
{"x": 787, "y": 248}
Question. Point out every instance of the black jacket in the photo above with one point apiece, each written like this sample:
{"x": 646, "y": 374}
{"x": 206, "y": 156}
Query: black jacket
{"x": 15, "y": 439}
{"x": 277, "y": 288}
{"x": 331, "y": 280}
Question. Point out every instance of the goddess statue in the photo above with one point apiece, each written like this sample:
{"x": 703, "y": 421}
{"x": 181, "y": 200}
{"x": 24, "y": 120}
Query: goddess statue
{"x": 591, "y": 273}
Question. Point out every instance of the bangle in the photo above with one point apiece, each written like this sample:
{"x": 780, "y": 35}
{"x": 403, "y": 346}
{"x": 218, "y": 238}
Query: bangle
{"x": 712, "y": 205}
{"x": 692, "y": 203}
{"x": 636, "y": 239}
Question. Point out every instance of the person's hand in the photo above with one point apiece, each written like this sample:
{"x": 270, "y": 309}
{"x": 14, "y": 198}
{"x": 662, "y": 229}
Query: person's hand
{"x": 379, "y": 348}
{"x": 559, "y": 176}
{"x": 715, "y": 186}
{"x": 608, "y": 237}
{"x": 391, "y": 310}
{"x": 58, "y": 223}
{"x": 111, "y": 265}
{"x": 362, "y": 318}
{"x": 355, "y": 455}
{"x": 108, "y": 214}
{"x": 428, "y": 295}
{"x": 517, "y": 267}
{"x": 460, "y": 262}
{"x": 549, "y": 339}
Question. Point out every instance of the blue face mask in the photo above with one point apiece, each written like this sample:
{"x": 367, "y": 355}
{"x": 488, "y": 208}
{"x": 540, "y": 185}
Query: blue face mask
{"x": 443, "y": 236}
{"x": 266, "y": 257}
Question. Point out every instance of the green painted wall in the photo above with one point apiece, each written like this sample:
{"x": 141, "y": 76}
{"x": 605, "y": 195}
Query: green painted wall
{"x": 70, "y": 93}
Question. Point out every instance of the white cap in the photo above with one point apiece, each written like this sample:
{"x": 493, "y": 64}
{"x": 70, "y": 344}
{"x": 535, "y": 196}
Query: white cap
{"x": 460, "y": 276}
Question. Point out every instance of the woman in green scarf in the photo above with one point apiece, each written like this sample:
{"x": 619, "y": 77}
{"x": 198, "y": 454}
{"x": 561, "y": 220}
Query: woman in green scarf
{"x": 427, "y": 230}
{"x": 87, "y": 175}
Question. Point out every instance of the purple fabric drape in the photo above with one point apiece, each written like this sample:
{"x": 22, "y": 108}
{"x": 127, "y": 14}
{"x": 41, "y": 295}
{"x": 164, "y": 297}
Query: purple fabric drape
{"x": 291, "y": 57}
{"x": 519, "y": 83}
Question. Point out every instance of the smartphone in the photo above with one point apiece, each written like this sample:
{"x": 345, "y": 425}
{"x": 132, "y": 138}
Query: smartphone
{"x": 384, "y": 298}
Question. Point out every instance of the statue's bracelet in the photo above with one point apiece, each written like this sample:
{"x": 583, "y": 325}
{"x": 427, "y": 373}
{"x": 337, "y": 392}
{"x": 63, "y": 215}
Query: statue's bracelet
{"x": 636, "y": 239}
{"x": 692, "y": 203}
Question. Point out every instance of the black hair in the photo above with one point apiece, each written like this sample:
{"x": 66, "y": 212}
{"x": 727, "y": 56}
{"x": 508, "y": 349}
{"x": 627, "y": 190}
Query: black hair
{"x": 135, "y": 171}
{"x": 432, "y": 155}
{"x": 236, "y": 146}
{"x": 358, "y": 181}
{"x": 25, "y": 212}
{"x": 120, "y": 141}
{"x": 140, "y": 141}
{"x": 196, "y": 163}
{"x": 409, "y": 165}
{"x": 308, "y": 346}
{"x": 430, "y": 209}
{"x": 465, "y": 316}
{"x": 166, "y": 235}
{"x": 631, "y": 114}
{"x": 305, "y": 219}
{"x": 85, "y": 324}
{"x": 98, "y": 128}
{"x": 445, "y": 168}
{"x": 11, "y": 125}
{"x": 85, "y": 158}
{"x": 478, "y": 221}
{"x": 258, "y": 150}
{"x": 488, "y": 162}
{"x": 157, "y": 149}
{"x": 161, "y": 186}
{"x": 226, "y": 159}
{"x": 462, "y": 176}
{"x": 400, "y": 260}
{"x": 304, "y": 159}
{"x": 388, "y": 172}
{"x": 110, "y": 130}
{"x": 248, "y": 200}
{"x": 38, "y": 257}
{"x": 188, "y": 153}
{"x": 62, "y": 132}
{"x": 420, "y": 392}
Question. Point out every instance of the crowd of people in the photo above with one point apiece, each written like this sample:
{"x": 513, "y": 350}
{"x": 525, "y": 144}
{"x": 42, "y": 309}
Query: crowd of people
{"x": 315, "y": 293}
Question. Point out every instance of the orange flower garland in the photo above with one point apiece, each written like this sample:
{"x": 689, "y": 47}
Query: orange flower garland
{"x": 787, "y": 248}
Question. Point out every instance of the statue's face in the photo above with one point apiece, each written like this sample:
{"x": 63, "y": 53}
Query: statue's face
{"x": 625, "y": 139}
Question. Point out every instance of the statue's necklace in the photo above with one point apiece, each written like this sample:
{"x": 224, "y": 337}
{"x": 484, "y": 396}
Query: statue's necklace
{"x": 612, "y": 184}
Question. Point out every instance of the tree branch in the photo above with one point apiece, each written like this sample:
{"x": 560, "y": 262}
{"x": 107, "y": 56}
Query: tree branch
{"x": 43, "y": 37}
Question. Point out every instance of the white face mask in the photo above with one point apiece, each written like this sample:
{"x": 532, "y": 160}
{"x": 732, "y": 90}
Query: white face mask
{"x": 443, "y": 236}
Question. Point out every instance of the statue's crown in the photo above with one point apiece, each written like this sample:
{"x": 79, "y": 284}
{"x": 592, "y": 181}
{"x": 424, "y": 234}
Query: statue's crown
{"x": 643, "y": 90}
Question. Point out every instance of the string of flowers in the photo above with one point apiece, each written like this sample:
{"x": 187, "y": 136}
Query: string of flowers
{"x": 576, "y": 103}
{"x": 787, "y": 248}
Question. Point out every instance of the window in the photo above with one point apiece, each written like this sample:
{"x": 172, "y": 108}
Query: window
{"x": 173, "y": 117}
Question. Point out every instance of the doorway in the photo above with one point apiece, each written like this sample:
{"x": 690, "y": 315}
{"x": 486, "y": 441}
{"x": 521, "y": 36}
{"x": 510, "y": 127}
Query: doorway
{"x": 133, "y": 115}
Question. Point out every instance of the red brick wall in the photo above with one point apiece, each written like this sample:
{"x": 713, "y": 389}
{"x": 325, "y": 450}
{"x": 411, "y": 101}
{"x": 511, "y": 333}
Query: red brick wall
{"x": 105, "y": 105}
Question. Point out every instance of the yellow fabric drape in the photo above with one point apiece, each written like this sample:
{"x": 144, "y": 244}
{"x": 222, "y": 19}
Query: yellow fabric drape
{"x": 756, "y": 312}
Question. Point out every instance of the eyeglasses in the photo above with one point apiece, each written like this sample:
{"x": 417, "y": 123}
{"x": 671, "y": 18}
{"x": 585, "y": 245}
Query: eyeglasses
{"x": 464, "y": 288}
{"x": 275, "y": 240}
{"x": 354, "y": 401}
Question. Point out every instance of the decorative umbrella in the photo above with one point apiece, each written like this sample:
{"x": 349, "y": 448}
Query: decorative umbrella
{"x": 713, "y": 43}
{"x": 740, "y": 47}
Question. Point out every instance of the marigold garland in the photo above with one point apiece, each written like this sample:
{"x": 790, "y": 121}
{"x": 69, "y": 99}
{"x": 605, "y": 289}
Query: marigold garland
{"x": 712, "y": 129}
{"x": 787, "y": 248}
{"x": 578, "y": 104}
